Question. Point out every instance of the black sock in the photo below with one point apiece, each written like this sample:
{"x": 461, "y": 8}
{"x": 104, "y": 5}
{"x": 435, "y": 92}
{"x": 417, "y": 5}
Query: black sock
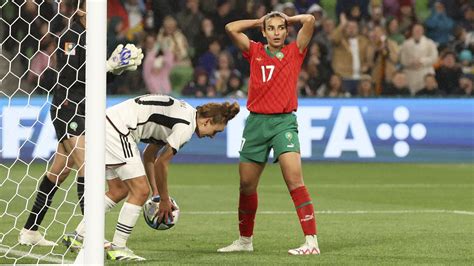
{"x": 43, "y": 200}
{"x": 80, "y": 192}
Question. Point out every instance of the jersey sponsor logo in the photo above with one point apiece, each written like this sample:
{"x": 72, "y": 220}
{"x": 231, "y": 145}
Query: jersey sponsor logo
{"x": 69, "y": 48}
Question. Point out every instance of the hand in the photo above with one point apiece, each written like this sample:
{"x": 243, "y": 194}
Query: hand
{"x": 260, "y": 21}
{"x": 342, "y": 19}
{"x": 124, "y": 58}
{"x": 165, "y": 210}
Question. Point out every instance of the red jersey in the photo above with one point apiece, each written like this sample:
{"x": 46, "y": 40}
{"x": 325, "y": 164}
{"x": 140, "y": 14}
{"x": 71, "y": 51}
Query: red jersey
{"x": 273, "y": 78}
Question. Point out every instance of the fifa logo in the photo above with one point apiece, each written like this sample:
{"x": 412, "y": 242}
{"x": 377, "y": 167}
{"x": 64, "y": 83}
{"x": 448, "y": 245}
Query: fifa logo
{"x": 401, "y": 131}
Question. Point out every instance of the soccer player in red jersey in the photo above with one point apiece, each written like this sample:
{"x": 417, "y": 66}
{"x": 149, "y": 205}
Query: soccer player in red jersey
{"x": 272, "y": 101}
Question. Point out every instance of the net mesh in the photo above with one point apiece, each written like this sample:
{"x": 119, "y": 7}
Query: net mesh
{"x": 29, "y": 34}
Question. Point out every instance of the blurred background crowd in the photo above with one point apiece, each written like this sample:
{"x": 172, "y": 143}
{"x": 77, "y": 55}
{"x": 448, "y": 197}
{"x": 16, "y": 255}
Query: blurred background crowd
{"x": 360, "y": 48}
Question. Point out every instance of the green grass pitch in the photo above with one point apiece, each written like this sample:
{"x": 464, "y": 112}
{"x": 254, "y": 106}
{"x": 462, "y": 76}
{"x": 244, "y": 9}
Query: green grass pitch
{"x": 366, "y": 213}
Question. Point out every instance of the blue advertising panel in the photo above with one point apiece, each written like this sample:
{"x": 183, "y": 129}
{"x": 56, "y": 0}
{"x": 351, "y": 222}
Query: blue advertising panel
{"x": 368, "y": 130}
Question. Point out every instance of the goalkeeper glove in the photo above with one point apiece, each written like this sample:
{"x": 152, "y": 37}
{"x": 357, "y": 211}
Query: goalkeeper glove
{"x": 124, "y": 58}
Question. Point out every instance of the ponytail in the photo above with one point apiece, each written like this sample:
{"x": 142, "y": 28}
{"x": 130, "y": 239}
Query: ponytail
{"x": 220, "y": 113}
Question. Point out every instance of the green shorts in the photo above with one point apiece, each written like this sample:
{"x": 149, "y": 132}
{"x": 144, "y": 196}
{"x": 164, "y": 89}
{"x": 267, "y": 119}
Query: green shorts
{"x": 265, "y": 132}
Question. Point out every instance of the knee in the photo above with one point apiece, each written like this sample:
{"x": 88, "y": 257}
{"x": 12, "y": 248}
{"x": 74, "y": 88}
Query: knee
{"x": 118, "y": 193}
{"x": 248, "y": 187}
{"x": 293, "y": 183}
{"x": 141, "y": 194}
{"x": 58, "y": 177}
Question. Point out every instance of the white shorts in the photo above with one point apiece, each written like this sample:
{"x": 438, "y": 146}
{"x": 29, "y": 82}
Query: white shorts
{"x": 122, "y": 156}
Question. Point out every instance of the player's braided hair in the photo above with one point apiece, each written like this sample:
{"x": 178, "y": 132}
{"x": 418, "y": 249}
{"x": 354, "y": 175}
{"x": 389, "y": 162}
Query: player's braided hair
{"x": 219, "y": 112}
{"x": 274, "y": 14}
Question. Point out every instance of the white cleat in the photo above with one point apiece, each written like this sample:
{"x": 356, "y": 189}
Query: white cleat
{"x": 241, "y": 244}
{"x": 122, "y": 253}
{"x": 31, "y": 238}
{"x": 310, "y": 247}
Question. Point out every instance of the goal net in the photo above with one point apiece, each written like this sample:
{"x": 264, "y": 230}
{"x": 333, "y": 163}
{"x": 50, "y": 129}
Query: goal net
{"x": 29, "y": 35}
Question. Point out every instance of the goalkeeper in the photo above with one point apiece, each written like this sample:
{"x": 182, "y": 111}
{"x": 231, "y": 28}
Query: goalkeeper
{"x": 68, "y": 116}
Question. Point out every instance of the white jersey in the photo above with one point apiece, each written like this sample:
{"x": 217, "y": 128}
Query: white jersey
{"x": 157, "y": 119}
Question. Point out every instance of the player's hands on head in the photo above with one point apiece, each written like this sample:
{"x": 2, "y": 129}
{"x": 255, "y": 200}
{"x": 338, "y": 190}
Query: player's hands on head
{"x": 123, "y": 58}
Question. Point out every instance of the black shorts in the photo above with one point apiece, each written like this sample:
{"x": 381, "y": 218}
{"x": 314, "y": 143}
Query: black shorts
{"x": 68, "y": 121}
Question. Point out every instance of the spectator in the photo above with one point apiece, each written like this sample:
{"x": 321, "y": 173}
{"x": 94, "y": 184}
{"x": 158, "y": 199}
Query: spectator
{"x": 157, "y": 68}
{"x": 318, "y": 14}
{"x": 468, "y": 20}
{"x": 406, "y": 16}
{"x": 42, "y": 74}
{"x": 417, "y": 56}
{"x": 465, "y": 87}
{"x": 466, "y": 62}
{"x": 303, "y": 6}
{"x": 135, "y": 11}
{"x": 208, "y": 60}
{"x": 199, "y": 86}
{"x": 188, "y": 19}
{"x": 347, "y": 7}
{"x": 317, "y": 68}
{"x": 391, "y": 8}
{"x": 221, "y": 75}
{"x": 350, "y": 52}
{"x": 398, "y": 86}
{"x": 323, "y": 37}
{"x": 431, "y": 87}
{"x": 234, "y": 85}
{"x": 365, "y": 87}
{"x": 393, "y": 31}
{"x": 462, "y": 40}
{"x": 202, "y": 40}
{"x": 256, "y": 33}
{"x": 170, "y": 38}
{"x": 334, "y": 88}
{"x": 376, "y": 16}
{"x": 385, "y": 58}
{"x": 438, "y": 25}
{"x": 302, "y": 85}
{"x": 448, "y": 73}
{"x": 223, "y": 15}
{"x": 115, "y": 34}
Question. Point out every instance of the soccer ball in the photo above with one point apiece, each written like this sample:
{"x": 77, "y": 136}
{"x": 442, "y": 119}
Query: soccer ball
{"x": 150, "y": 210}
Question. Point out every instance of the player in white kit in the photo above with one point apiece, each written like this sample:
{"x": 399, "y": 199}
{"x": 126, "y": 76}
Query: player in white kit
{"x": 165, "y": 124}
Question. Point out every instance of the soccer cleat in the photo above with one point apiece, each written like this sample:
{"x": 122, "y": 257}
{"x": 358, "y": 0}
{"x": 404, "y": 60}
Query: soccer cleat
{"x": 73, "y": 241}
{"x": 241, "y": 244}
{"x": 122, "y": 253}
{"x": 310, "y": 247}
{"x": 32, "y": 238}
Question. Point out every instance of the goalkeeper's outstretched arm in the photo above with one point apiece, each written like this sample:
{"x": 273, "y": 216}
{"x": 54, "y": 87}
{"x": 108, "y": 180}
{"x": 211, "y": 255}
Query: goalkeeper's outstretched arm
{"x": 127, "y": 57}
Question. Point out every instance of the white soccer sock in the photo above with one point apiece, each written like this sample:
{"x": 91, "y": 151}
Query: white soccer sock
{"x": 127, "y": 219}
{"x": 81, "y": 227}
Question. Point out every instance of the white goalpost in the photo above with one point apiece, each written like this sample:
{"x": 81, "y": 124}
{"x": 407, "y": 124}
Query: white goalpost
{"x": 96, "y": 43}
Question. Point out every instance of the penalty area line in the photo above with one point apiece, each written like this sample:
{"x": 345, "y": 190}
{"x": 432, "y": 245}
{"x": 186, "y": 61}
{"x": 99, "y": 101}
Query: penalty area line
{"x": 22, "y": 254}
{"x": 339, "y": 212}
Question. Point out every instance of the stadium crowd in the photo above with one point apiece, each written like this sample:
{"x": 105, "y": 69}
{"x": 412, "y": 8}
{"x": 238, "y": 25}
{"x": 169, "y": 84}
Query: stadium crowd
{"x": 360, "y": 48}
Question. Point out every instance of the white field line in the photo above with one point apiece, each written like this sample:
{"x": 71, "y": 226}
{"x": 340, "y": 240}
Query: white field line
{"x": 42, "y": 258}
{"x": 344, "y": 186}
{"x": 336, "y": 212}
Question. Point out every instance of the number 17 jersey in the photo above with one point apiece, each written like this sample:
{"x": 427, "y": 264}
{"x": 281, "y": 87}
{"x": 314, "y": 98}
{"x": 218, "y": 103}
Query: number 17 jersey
{"x": 272, "y": 85}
